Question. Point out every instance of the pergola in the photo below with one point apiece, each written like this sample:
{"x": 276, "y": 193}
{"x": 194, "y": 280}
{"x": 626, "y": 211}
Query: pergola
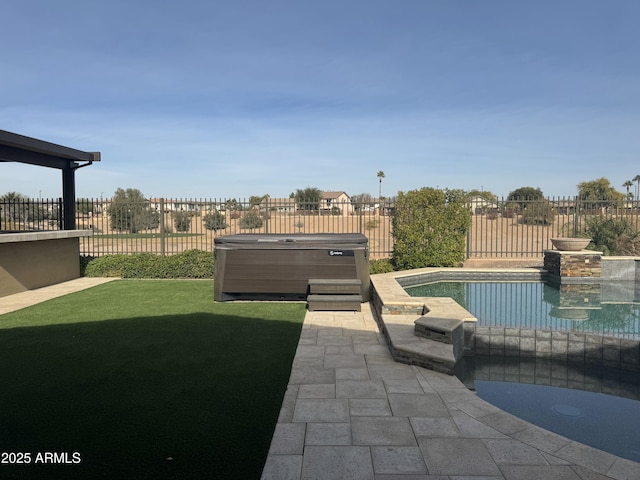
{"x": 18, "y": 148}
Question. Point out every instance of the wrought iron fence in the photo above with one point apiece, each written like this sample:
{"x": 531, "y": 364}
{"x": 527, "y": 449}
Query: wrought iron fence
{"x": 499, "y": 228}
{"x": 25, "y": 214}
{"x": 524, "y": 228}
{"x": 168, "y": 226}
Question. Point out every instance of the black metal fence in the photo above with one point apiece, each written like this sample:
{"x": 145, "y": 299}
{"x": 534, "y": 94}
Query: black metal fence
{"x": 524, "y": 228}
{"x": 24, "y": 214}
{"x": 499, "y": 228}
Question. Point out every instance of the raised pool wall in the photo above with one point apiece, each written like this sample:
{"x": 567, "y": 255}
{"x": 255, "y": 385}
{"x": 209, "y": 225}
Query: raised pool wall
{"x": 567, "y": 269}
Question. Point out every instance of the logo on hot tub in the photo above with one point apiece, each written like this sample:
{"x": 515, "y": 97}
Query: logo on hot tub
{"x": 340, "y": 253}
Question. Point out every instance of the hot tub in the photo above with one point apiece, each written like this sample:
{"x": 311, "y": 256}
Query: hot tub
{"x": 275, "y": 266}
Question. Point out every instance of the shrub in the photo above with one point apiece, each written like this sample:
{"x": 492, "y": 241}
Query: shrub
{"x": 215, "y": 221}
{"x": 251, "y": 220}
{"x": 188, "y": 264}
{"x": 613, "y": 236}
{"x": 84, "y": 261}
{"x": 538, "y": 213}
{"x": 371, "y": 224}
{"x": 430, "y": 228}
{"x": 182, "y": 221}
{"x": 382, "y": 265}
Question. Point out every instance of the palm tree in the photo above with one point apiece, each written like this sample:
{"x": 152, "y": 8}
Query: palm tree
{"x": 627, "y": 184}
{"x": 637, "y": 180}
{"x": 380, "y": 176}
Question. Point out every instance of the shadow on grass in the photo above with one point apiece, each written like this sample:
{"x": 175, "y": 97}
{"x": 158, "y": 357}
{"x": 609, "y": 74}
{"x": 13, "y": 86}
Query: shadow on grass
{"x": 179, "y": 396}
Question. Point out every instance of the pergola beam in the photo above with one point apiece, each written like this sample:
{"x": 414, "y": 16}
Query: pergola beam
{"x": 21, "y": 149}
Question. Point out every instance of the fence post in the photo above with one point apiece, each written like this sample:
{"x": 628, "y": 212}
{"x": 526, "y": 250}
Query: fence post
{"x": 162, "y": 235}
{"x": 60, "y": 214}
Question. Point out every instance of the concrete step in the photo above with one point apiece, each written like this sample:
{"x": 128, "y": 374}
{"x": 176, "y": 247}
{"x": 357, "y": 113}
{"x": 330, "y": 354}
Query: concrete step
{"x": 406, "y": 347}
{"x": 441, "y": 329}
{"x": 334, "y": 302}
{"x": 350, "y": 286}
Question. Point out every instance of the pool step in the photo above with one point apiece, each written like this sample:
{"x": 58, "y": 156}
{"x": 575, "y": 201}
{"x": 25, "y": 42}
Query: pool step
{"x": 445, "y": 330}
{"x": 335, "y": 294}
{"x": 433, "y": 340}
{"x": 408, "y": 348}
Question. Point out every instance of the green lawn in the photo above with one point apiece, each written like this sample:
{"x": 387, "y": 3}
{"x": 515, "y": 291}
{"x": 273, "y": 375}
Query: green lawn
{"x": 144, "y": 379}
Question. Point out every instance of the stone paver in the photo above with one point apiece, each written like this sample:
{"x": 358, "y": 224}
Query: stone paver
{"x": 351, "y": 412}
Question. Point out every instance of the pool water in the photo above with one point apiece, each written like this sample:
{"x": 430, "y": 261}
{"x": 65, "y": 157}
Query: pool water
{"x": 538, "y": 306}
{"x": 590, "y": 404}
{"x": 609, "y": 423}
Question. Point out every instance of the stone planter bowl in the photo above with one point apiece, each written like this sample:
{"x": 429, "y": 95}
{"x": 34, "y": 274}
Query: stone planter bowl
{"x": 570, "y": 244}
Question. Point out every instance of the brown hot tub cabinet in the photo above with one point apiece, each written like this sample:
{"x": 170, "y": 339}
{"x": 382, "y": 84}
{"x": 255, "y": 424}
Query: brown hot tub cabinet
{"x": 273, "y": 266}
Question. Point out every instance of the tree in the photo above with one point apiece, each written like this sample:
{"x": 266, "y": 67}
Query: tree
{"x": 129, "y": 211}
{"x": 600, "y": 193}
{"x": 251, "y": 220}
{"x": 182, "y": 221}
{"x": 215, "y": 221}
{"x": 15, "y": 207}
{"x": 255, "y": 201}
{"x": 308, "y": 198}
{"x": 360, "y": 201}
{"x": 84, "y": 206}
{"x": 523, "y": 195}
{"x": 430, "y": 228}
{"x": 637, "y": 180}
{"x": 539, "y": 212}
{"x": 628, "y": 184}
{"x": 232, "y": 205}
{"x": 485, "y": 194}
{"x": 380, "y": 177}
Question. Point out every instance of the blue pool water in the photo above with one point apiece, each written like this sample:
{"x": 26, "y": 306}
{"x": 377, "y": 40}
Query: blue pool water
{"x": 599, "y": 409}
{"x": 538, "y": 306}
{"x": 583, "y": 409}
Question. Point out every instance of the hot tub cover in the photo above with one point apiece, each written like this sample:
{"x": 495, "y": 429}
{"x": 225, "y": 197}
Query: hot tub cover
{"x": 298, "y": 240}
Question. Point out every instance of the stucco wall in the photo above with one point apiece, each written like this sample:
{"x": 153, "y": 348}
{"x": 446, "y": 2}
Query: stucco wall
{"x": 35, "y": 264}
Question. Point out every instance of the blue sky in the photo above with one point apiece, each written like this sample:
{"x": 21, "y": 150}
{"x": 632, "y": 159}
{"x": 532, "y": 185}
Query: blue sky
{"x": 235, "y": 98}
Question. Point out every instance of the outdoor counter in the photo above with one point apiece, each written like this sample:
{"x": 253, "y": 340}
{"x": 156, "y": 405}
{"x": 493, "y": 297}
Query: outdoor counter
{"x": 31, "y": 260}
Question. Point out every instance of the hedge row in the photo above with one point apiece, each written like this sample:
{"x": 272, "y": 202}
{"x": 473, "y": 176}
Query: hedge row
{"x": 189, "y": 264}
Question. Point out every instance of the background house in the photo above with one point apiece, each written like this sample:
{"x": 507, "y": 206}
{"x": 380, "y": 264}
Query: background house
{"x": 280, "y": 205}
{"x": 480, "y": 205}
{"x": 332, "y": 200}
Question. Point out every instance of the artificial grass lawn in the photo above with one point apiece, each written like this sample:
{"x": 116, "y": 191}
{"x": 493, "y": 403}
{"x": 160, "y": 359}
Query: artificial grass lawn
{"x": 131, "y": 373}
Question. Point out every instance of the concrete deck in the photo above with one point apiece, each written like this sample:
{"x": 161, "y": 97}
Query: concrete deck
{"x": 20, "y": 300}
{"x": 351, "y": 412}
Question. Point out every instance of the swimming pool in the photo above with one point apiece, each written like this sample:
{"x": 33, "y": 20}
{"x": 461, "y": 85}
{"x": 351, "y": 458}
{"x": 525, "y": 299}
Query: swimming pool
{"x": 594, "y": 405}
{"x": 548, "y": 386}
{"x": 607, "y": 310}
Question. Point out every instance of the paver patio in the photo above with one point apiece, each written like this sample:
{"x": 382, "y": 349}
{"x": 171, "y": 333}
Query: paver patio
{"x": 351, "y": 412}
